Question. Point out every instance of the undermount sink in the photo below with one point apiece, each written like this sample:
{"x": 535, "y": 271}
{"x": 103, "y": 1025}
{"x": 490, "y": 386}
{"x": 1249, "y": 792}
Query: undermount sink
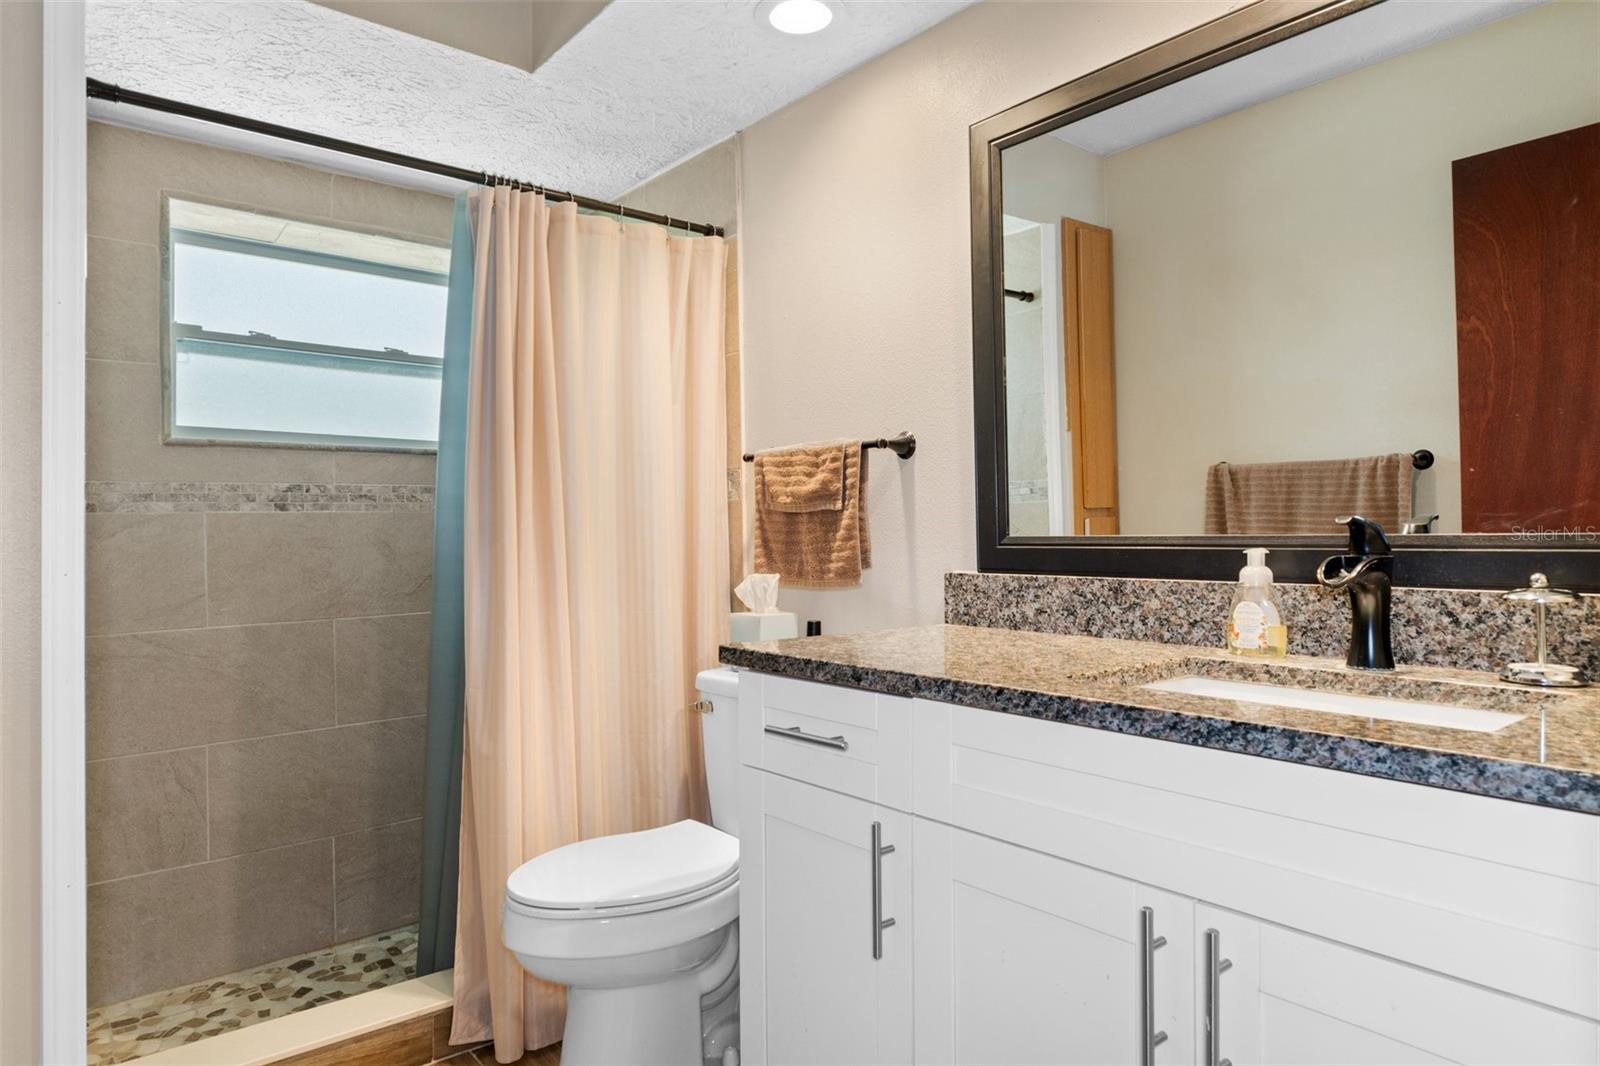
{"x": 1415, "y": 711}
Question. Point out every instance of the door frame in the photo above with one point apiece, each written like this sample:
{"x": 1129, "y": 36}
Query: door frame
{"x": 63, "y": 919}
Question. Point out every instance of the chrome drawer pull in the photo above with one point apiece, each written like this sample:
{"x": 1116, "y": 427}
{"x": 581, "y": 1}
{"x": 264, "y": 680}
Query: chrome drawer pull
{"x": 1216, "y": 966}
{"x": 879, "y": 922}
{"x": 1149, "y": 1038}
{"x": 794, "y": 732}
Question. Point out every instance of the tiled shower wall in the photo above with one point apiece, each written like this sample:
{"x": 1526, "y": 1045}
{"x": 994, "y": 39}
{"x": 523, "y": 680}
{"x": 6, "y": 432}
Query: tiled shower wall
{"x": 258, "y": 626}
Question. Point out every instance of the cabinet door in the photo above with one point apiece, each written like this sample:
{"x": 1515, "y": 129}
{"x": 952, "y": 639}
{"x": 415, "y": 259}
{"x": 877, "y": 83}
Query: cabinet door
{"x": 1025, "y": 958}
{"x": 813, "y": 989}
{"x": 1286, "y": 999}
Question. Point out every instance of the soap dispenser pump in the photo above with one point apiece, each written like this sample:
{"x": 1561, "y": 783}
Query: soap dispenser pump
{"x": 1255, "y": 618}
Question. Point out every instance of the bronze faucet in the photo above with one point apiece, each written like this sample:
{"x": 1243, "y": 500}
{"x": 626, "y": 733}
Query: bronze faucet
{"x": 1366, "y": 571}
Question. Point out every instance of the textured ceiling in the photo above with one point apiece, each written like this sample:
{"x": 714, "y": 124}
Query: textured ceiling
{"x": 646, "y": 84}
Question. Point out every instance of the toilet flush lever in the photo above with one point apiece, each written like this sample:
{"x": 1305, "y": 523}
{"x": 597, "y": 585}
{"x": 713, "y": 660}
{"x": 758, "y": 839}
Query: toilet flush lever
{"x": 879, "y": 922}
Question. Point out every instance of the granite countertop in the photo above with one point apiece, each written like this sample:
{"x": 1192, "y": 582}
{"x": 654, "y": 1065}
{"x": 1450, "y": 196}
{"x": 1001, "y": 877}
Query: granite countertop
{"x": 1551, "y": 757}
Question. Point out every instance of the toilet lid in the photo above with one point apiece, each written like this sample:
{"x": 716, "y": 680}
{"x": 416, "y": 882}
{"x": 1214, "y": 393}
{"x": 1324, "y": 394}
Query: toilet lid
{"x": 626, "y": 869}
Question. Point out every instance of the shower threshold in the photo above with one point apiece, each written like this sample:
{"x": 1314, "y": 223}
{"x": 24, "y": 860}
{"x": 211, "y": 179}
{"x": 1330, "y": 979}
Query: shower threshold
{"x": 120, "y": 1032}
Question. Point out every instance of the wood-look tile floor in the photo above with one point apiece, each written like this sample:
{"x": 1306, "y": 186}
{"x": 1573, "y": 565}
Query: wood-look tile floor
{"x": 550, "y": 1056}
{"x": 421, "y": 1041}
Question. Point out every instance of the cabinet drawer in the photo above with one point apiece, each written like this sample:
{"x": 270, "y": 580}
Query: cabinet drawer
{"x": 847, "y": 740}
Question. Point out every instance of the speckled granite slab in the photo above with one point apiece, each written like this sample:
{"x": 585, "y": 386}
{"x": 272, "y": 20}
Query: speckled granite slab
{"x": 1466, "y": 629}
{"x": 1551, "y": 757}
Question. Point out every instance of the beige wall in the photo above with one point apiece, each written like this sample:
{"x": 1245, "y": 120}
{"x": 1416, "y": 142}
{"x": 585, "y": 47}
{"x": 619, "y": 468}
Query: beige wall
{"x": 1285, "y": 275}
{"x": 20, "y": 301}
{"x": 703, "y": 188}
{"x": 857, "y": 277}
{"x": 257, "y": 625}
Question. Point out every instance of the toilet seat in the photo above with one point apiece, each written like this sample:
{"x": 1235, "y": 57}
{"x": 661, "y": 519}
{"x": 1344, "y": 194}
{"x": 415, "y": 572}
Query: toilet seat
{"x": 627, "y": 873}
{"x": 649, "y": 891}
{"x": 619, "y": 910}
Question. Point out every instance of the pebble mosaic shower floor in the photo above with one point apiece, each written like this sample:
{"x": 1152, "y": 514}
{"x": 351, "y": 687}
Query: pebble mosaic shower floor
{"x": 150, "y": 1023}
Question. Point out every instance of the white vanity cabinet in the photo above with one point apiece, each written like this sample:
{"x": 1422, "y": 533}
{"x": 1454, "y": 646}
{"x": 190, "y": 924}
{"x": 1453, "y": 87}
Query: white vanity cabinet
{"x": 1364, "y": 921}
{"x": 1281, "y": 998}
{"x": 1025, "y": 958}
{"x": 825, "y": 881}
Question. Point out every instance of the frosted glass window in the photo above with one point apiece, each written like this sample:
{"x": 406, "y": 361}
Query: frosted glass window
{"x": 288, "y": 332}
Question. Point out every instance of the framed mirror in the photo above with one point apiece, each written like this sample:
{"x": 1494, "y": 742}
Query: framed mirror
{"x": 1303, "y": 261}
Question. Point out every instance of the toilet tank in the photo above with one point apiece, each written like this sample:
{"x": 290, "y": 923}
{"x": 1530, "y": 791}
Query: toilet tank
{"x": 719, "y": 737}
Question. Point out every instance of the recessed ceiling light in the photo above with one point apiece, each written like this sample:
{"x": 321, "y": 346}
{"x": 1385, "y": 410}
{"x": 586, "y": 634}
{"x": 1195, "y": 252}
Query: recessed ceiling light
{"x": 800, "y": 16}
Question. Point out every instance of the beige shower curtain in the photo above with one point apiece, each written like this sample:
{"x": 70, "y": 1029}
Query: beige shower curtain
{"x": 596, "y": 559}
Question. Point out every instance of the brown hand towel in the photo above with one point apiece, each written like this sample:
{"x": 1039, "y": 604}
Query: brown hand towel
{"x": 1305, "y": 497}
{"x": 811, "y": 514}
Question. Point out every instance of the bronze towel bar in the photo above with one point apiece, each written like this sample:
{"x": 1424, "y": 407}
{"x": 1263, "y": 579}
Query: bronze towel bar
{"x": 904, "y": 445}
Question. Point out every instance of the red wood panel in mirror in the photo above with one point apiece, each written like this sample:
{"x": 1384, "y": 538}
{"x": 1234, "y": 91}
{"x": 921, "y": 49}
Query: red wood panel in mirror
{"x": 1527, "y": 246}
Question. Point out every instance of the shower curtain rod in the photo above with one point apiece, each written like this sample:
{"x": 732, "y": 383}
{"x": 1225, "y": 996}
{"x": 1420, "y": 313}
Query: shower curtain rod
{"x": 102, "y": 90}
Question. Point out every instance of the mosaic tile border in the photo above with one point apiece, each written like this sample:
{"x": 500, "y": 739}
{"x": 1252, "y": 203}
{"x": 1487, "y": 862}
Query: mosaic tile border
{"x": 175, "y": 497}
{"x": 154, "y": 1022}
{"x": 1465, "y": 629}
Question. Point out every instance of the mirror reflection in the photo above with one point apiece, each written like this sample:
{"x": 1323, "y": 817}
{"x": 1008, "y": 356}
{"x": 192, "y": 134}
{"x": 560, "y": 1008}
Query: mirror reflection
{"x": 1357, "y": 271}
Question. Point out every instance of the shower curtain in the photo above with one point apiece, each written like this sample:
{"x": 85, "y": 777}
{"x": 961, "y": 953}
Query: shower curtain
{"x": 441, "y": 809}
{"x": 595, "y": 559}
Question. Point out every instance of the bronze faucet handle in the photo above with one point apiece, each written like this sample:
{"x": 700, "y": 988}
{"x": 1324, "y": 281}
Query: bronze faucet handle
{"x": 1366, "y": 536}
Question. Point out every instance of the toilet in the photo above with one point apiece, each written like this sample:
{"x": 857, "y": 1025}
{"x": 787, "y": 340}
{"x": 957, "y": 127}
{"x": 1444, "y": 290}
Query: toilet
{"x": 643, "y": 928}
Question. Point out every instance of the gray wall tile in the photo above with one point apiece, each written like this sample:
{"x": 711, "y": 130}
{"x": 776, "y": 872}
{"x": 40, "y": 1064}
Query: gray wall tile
{"x": 377, "y": 879}
{"x": 172, "y": 927}
{"x": 381, "y": 667}
{"x": 279, "y": 567}
{"x": 153, "y": 691}
{"x": 392, "y": 209}
{"x": 383, "y": 468}
{"x": 299, "y": 786}
{"x": 123, "y": 307}
{"x": 129, "y": 170}
{"x": 192, "y": 881}
{"x": 144, "y": 572}
{"x": 146, "y": 812}
{"x": 124, "y": 438}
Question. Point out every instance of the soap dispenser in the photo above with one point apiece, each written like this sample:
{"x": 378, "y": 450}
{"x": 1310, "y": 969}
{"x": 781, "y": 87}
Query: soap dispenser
{"x": 1255, "y": 618}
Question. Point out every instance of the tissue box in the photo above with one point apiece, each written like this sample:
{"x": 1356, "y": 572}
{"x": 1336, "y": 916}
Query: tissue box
{"x": 779, "y": 625}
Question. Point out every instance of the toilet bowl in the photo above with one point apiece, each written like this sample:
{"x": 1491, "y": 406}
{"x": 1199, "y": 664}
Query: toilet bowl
{"x": 642, "y": 927}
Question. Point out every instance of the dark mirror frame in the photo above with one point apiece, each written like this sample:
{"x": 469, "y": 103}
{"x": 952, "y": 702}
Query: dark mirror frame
{"x": 1466, "y": 561}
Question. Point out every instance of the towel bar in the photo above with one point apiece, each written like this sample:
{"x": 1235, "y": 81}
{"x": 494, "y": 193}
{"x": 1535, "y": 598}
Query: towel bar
{"x": 904, "y": 445}
{"x": 1421, "y": 459}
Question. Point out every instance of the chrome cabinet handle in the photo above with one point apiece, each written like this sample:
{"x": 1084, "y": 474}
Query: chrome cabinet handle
{"x": 1216, "y": 966}
{"x": 794, "y": 732}
{"x": 879, "y": 922}
{"x": 1149, "y": 1038}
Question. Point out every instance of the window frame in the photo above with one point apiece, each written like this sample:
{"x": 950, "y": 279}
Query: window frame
{"x": 270, "y": 347}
